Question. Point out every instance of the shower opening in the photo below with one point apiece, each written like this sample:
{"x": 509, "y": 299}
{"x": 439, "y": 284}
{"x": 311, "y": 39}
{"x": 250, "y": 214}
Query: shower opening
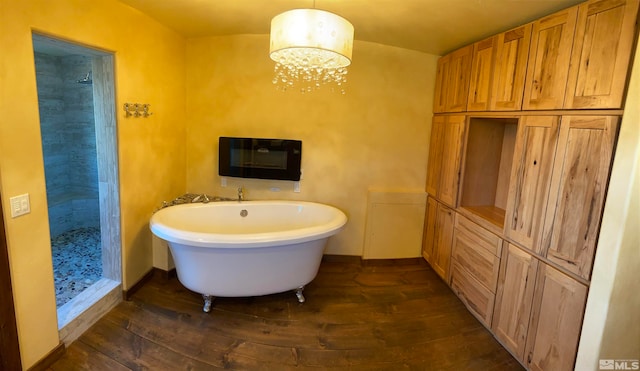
{"x": 77, "y": 123}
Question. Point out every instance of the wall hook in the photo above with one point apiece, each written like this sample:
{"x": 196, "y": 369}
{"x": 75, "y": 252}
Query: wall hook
{"x": 137, "y": 110}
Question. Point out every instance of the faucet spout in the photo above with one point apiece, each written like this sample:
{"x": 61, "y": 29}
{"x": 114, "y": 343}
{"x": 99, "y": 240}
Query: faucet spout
{"x": 240, "y": 194}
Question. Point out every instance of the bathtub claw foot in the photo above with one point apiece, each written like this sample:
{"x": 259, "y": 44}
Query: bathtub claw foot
{"x": 208, "y": 299}
{"x": 299, "y": 294}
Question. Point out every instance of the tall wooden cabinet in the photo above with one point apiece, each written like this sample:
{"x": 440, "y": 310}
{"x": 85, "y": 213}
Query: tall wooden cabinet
{"x": 510, "y": 68}
{"x": 498, "y": 70}
{"x": 556, "y": 320}
{"x": 558, "y": 181}
{"x": 515, "y": 295}
{"x": 429, "y": 232}
{"x": 549, "y": 58}
{"x": 438, "y": 237}
{"x": 436, "y": 144}
{"x": 578, "y": 188}
{"x": 534, "y": 155}
{"x": 518, "y": 175}
{"x": 482, "y": 66}
{"x": 601, "y": 51}
{"x": 443, "y": 171}
{"x": 452, "y": 81}
{"x": 538, "y": 312}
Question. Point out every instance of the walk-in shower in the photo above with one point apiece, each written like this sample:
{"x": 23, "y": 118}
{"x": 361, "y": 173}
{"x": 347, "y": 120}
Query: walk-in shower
{"x": 71, "y": 172}
{"x": 77, "y": 125}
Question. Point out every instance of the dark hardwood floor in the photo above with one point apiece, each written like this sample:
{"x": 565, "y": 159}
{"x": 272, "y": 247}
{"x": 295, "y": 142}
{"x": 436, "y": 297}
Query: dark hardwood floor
{"x": 391, "y": 316}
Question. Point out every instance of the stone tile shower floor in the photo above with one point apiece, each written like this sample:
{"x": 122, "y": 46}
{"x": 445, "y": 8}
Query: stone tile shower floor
{"x": 77, "y": 262}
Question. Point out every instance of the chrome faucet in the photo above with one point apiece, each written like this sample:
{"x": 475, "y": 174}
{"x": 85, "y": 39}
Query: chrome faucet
{"x": 240, "y": 194}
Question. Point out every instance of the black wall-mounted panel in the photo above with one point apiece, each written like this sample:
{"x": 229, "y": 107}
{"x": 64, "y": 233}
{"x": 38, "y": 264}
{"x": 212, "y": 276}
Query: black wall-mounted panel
{"x": 260, "y": 158}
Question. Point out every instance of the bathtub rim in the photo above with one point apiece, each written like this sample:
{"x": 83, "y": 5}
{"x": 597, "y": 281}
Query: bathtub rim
{"x": 250, "y": 240}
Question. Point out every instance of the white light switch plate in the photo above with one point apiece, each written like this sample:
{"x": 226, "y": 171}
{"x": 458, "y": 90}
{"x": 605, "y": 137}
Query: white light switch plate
{"x": 20, "y": 205}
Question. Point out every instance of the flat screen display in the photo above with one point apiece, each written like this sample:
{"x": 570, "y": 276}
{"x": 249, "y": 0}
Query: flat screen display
{"x": 261, "y": 158}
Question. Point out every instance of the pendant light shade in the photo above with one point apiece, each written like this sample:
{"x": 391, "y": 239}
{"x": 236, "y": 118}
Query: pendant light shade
{"x": 310, "y": 47}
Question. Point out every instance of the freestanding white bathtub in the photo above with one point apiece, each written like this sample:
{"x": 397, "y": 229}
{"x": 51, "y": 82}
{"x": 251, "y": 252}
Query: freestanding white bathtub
{"x": 248, "y": 248}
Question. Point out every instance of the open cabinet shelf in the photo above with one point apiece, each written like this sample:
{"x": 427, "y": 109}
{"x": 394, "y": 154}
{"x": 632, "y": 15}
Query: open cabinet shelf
{"x": 488, "y": 158}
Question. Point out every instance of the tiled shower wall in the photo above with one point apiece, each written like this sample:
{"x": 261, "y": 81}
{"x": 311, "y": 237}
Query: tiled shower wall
{"x": 68, "y": 142}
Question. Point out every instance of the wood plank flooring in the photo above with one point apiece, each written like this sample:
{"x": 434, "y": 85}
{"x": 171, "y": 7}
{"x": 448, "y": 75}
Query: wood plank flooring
{"x": 391, "y": 316}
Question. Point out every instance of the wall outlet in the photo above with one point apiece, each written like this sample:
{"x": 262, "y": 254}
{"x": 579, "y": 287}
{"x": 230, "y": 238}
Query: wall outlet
{"x": 223, "y": 181}
{"x": 296, "y": 187}
{"x": 20, "y": 205}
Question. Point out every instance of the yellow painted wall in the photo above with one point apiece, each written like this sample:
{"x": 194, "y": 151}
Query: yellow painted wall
{"x": 149, "y": 61}
{"x": 374, "y": 136}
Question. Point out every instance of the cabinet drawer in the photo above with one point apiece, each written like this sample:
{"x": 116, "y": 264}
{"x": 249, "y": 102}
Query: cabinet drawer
{"x": 478, "y": 261}
{"x": 482, "y": 238}
{"x": 478, "y": 299}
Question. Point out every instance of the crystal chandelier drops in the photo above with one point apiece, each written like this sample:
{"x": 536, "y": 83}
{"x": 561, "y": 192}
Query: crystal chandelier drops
{"x": 311, "y": 48}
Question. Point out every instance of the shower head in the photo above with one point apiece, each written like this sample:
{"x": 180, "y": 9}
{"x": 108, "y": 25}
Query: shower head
{"x": 86, "y": 80}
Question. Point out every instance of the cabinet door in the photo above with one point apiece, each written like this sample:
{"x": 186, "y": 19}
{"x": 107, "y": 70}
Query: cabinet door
{"x": 578, "y": 190}
{"x": 442, "y": 80}
{"x": 512, "y": 51}
{"x": 429, "y": 234}
{"x": 514, "y": 299}
{"x": 530, "y": 179}
{"x": 458, "y": 79}
{"x": 434, "y": 166}
{"x": 451, "y": 158}
{"x": 556, "y": 321}
{"x": 443, "y": 240}
{"x": 481, "y": 74}
{"x": 601, "y": 52}
{"x": 549, "y": 56}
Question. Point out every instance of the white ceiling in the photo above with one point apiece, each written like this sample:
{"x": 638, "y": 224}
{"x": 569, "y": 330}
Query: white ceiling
{"x": 431, "y": 26}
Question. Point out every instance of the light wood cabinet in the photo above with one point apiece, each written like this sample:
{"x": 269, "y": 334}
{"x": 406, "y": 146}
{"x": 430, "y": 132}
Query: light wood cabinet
{"x": 438, "y": 237}
{"x": 530, "y": 187}
{"x": 452, "y": 81}
{"x": 578, "y": 189}
{"x": 434, "y": 166}
{"x": 577, "y": 58}
{"x": 451, "y": 155}
{"x": 534, "y": 156}
{"x": 482, "y": 65}
{"x": 556, "y": 321}
{"x": 445, "y": 151}
{"x": 549, "y": 57}
{"x": 538, "y": 312}
{"x": 510, "y": 67}
{"x": 602, "y": 48}
{"x": 498, "y": 70}
{"x": 458, "y": 79}
{"x": 475, "y": 296}
{"x": 514, "y": 299}
{"x": 442, "y": 83}
{"x": 475, "y": 263}
{"x": 429, "y": 233}
{"x": 477, "y": 251}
